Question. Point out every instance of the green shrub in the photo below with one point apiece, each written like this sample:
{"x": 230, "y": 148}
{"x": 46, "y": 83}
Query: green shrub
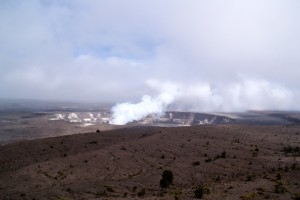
{"x": 248, "y": 196}
{"x": 250, "y": 177}
{"x": 167, "y": 179}
{"x": 141, "y": 193}
{"x": 195, "y": 163}
{"x": 293, "y": 150}
{"x": 223, "y": 154}
{"x": 279, "y": 187}
{"x": 199, "y": 192}
{"x": 296, "y": 196}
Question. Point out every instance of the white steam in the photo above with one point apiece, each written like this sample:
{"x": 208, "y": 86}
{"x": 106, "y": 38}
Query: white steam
{"x": 246, "y": 95}
{"x": 127, "y": 112}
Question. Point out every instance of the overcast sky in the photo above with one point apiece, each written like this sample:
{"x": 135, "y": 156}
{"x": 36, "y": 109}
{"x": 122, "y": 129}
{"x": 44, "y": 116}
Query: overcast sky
{"x": 214, "y": 55}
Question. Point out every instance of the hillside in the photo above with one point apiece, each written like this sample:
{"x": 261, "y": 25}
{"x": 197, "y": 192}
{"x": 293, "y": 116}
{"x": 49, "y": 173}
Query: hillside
{"x": 228, "y": 161}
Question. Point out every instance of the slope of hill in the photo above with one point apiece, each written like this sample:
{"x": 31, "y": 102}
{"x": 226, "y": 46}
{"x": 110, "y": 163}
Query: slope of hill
{"x": 228, "y": 161}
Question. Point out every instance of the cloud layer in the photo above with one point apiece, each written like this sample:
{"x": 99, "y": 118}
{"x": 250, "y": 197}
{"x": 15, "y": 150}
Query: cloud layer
{"x": 210, "y": 55}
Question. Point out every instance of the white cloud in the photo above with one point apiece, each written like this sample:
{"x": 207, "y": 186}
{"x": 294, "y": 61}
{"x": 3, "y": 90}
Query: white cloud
{"x": 205, "y": 52}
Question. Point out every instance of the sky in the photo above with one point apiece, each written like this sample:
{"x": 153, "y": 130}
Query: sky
{"x": 204, "y": 55}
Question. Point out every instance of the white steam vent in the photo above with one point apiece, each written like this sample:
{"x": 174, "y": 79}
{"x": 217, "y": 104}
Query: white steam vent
{"x": 73, "y": 117}
{"x": 127, "y": 112}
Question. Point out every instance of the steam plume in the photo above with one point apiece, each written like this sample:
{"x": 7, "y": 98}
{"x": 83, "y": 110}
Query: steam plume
{"x": 246, "y": 95}
{"x": 127, "y": 112}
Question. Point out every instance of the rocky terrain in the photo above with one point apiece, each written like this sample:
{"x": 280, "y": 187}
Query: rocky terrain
{"x": 207, "y": 161}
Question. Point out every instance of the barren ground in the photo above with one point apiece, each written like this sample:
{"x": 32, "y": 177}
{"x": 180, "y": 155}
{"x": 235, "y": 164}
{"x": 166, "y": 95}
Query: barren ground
{"x": 228, "y": 161}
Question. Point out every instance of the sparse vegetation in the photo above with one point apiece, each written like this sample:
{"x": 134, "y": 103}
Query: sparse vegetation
{"x": 223, "y": 154}
{"x": 200, "y": 191}
{"x": 248, "y": 196}
{"x": 147, "y": 168}
{"x": 196, "y": 163}
{"x": 177, "y": 193}
{"x": 296, "y": 196}
{"x": 250, "y": 177}
{"x": 278, "y": 176}
{"x": 218, "y": 179}
{"x": 134, "y": 188}
{"x": 101, "y": 193}
{"x": 123, "y": 148}
{"x": 291, "y": 150}
{"x": 260, "y": 189}
{"x": 109, "y": 188}
{"x": 104, "y": 191}
{"x": 279, "y": 187}
{"x": 294, "y": 166}
{"x": 141, "y": 193}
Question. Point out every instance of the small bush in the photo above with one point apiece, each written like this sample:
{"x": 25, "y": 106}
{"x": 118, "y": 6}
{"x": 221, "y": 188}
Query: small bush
{"x": 101, "y": 193}
{"x": 278, "y": 176}
{"x": 141, "y": 193}
{"x": 296, "y": 196}
{"x": 250, "y": 177}
{"x": 223, "y": 154}
{"x": 134, "y": 188}
{"x": 294, "y": 166}
{"x": 218, "y": 179}
{"x": 199, "y": 192}
{"x": 292, "y": 150}
{"x": 167, "y": 179}
{"x": 176, "y": 193}
{"x": 123, "y": 148}
{"x": 196, "y": 163}
{"x": 260, "y": 189}
{"x": 279, "y": 187}
{"x": 109, "y": 188}
{"x": 248, "y": 196}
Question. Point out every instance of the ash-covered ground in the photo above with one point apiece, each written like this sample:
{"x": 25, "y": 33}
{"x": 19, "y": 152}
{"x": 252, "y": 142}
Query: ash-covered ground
{"x": 33, "y": 124}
